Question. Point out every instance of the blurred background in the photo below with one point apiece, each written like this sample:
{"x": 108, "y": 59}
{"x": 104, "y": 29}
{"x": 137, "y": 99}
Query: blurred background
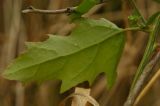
{"x": 17, "y": 28}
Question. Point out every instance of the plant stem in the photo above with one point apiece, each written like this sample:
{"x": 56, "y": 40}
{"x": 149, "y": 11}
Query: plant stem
{"x": 32, "y": 9}
{"x": 147, "y": 87}
{"x": 144, "y": 70}
{"x": 135, "y": 29}
{"x": 149, "y": 67}
{"x": 132, "y": 29}
{"x": 148, "y": 51}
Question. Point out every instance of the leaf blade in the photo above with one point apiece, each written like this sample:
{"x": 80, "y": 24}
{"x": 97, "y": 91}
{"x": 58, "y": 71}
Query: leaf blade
{"x": 92, "y": 48}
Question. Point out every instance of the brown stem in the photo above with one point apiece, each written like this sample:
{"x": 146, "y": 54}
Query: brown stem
{"x": 32, "y": 9}
{"x": 149, "y": 67}
{"x": 147, "y": 87}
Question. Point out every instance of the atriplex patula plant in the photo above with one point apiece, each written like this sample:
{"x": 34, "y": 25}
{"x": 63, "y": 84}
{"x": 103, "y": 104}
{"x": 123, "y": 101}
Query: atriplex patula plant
{"x": 93, "y": 47}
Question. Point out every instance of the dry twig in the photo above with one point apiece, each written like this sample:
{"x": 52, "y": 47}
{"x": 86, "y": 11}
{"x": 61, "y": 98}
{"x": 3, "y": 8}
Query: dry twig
{"x": 134, "y": 92}
{"x": 32, "y": 9}
{"x": 147, "y": 87}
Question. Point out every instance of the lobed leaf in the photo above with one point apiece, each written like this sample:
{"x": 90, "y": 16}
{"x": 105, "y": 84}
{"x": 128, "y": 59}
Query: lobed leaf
{"x": 94, "y": 46}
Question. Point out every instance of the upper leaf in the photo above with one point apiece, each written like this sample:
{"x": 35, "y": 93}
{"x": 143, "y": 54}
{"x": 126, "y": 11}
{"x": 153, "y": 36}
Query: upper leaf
{"x": 93, "y": 47}
{"x": 152, "y": 18}
{"x": 158, "y": 1}
{"x": 83, "y": 8}
{"x": 86, "y": 5}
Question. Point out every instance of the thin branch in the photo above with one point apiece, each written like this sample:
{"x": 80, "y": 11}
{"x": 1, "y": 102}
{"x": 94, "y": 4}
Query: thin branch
{"x": 149, "y": 67}
{"x": 135, "y": 29}
{"x": 32, "y": 9}
{"x": 147, "y": 87}
{"x": 144, "y": 70}
{"x": 149, "y": 49}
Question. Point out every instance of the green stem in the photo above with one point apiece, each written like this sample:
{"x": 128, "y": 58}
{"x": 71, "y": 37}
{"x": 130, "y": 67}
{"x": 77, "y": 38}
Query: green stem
{"x": 148, "y": 51}
{"x": 136, "y": 29}
{"x": 132, "y": 29}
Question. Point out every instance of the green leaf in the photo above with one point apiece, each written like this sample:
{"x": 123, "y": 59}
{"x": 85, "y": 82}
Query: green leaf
{"x": 158, "y": 1}
{"x": 86, "y": 5}
{"x": 94, "y": 46}
{"x": 83, "y": 8}
{"x": 152, "y": 18}
{"x": 133, "y": 20}
{"x": 136, "y": 18}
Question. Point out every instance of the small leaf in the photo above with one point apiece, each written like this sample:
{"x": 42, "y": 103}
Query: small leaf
{"x": 158, "y": 1}
{"x": 83, "y": 8}
{"x": 134, "y": 19}
{"x": 95, "y": 46}
{"x": 86, "y": 5}
{"x": 152, "y": 18}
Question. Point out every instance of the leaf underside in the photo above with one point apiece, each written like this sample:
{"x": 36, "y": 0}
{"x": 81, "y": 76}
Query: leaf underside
{"x": 94, "y": 46}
